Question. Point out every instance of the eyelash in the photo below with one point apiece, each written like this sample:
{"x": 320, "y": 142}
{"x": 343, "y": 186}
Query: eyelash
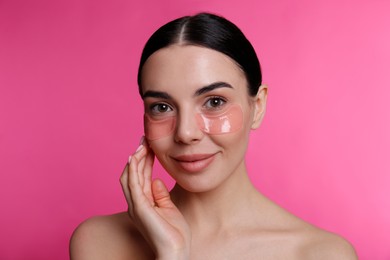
{"x": 156, "y": 108}
{"x": 209, "y": 106}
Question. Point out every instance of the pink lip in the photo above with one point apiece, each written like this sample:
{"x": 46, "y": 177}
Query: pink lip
{"x": 194, "y": 162}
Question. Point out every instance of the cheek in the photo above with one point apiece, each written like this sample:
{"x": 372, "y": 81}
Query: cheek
{"x": 240, "y": 126}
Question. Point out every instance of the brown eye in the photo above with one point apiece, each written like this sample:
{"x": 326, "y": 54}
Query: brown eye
{"x": 214, "y": 103}
{"x": 160, "y": 108}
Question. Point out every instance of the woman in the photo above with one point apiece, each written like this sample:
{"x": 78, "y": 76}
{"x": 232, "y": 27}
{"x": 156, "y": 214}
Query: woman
{"x": 200, "y": 80}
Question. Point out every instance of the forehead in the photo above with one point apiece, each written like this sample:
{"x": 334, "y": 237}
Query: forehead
{"x": 187, "y": 67}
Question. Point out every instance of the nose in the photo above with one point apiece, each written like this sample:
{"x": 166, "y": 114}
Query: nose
{"x": 187, "y": 129}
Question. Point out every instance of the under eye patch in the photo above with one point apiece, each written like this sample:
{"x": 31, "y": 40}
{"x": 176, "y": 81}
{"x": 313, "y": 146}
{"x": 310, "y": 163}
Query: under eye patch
{"x": 229, "y": 121}
{"x": 156, "y": 129}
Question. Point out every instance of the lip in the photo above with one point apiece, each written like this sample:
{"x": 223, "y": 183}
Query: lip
{"x": 194, "y": 162}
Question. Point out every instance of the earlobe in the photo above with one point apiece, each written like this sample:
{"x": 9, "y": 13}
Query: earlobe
{"x": 260, "y": 102}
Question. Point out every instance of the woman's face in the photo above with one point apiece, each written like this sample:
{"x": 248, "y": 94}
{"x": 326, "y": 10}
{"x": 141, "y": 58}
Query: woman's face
{"x": 198, "y": 114}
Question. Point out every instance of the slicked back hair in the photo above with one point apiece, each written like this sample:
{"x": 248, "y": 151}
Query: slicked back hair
{"x": 209, "y": 31}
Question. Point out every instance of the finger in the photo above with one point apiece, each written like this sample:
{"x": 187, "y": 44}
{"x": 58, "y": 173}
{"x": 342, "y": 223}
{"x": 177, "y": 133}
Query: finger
{"x": 124, "y": 179}
{"x": 140, "y": 156}
{"x": 141, "y": 166}
{"x": 138, "y": 197}
{"x": 142, "y": 161}
{"x": 148, "y": 169}
{"x": 161, "y": 195}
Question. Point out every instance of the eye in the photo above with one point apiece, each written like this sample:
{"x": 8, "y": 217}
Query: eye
{"x": 160, "y": 108}
{"x": 214, "y": 103}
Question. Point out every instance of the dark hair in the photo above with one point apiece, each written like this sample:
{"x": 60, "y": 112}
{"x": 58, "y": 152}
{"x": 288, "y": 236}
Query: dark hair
{"x": 210, "y": 31}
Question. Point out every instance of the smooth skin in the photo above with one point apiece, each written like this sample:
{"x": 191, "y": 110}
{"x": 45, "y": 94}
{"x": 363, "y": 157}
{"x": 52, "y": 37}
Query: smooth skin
{"x": 213, "y": 211}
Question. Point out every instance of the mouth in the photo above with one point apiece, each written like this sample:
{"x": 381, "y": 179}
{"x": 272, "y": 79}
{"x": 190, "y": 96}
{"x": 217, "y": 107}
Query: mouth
{"x": 195, "y": 162}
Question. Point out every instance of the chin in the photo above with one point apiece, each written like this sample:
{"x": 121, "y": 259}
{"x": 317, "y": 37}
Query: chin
{"x": 197, "y": 184}
{"x": 197, "y": 189}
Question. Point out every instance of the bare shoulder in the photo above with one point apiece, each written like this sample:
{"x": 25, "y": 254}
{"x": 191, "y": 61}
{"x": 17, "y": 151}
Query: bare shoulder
{"x": 319, "y": 244}
{"x": 108, "y": 237}
{"x": 298, "y": 239}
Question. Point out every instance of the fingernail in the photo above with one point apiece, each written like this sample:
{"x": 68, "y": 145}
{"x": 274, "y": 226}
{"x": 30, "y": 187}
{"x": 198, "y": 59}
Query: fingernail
{"x": 139, "y": 148}
{"x": 142, "y": 140}
{"x": 129, "y": 160}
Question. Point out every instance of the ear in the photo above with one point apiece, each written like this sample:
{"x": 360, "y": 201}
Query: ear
{"x": 260, "y": 103}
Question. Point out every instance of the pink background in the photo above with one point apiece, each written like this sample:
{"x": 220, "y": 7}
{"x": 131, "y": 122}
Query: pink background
{"x": 70, "y": 113}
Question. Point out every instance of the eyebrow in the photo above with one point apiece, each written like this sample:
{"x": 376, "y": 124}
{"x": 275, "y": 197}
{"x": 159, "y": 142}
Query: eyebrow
{"x": 211, "y": 87}
{"x": 199, "y": 92}
{"x": 156, "y": 94}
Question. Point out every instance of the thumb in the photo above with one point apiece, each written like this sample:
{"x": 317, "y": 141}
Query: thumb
{"x": 161, "y": 195}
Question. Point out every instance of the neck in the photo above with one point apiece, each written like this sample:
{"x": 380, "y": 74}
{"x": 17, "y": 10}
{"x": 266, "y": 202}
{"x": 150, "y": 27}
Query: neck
{"x": 220, "y": 207}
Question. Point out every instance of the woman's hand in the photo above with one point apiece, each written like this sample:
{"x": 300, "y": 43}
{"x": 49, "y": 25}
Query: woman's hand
{"x": 151, "y": 208}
